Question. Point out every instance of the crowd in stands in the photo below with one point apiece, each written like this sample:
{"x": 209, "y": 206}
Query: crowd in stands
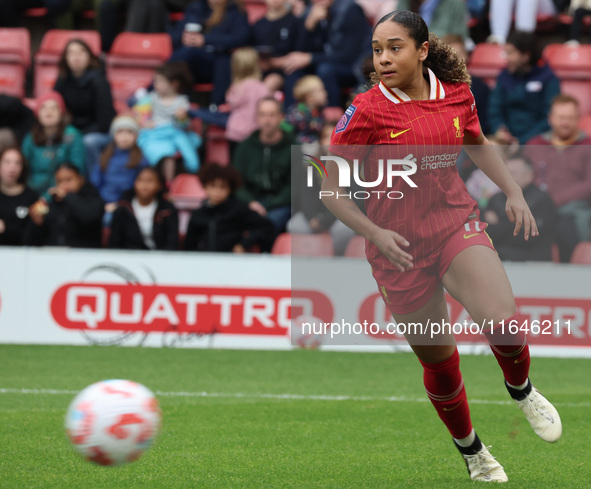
{"x": 78, "y": 170}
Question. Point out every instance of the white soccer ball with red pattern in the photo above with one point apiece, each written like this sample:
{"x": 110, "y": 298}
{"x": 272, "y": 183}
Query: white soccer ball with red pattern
{"x": 113, "y": 422}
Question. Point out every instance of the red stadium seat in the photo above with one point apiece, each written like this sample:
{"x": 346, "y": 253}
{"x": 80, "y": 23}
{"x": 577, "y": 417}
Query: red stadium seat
{"x": 303, "y": 245}
{"x": 36, "y": 12}
{"x": 132, "y": 60}
{"x": 255, "y": 9}
{"x": 572, "y": 64}
{"x": 582, "y": 254}
{"x": 15, "y": 58}
{"x": 52, "y": 46}
{"x": 585, "y": 124}
{"x": 217, "y": 148}
{"x": 356, "y": 247}
{"x": 487, "y": 61}
{"x": 186, "y": 191}
{"x": 333, "y": 114}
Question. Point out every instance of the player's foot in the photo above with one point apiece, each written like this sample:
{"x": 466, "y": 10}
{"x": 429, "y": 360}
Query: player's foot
{"x": 482, "y": 466}
{"x": 539, "y": 412}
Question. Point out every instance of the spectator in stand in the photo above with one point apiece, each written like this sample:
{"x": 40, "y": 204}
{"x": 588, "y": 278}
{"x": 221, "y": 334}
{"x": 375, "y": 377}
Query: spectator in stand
{"x": 15, "y": 197}
{"x": 141, "y": 16}
{"x": 519, "y": 104}
{"x": 526, "y": 13}
{"x": 87, "y": 95}
{"x": 500, "y": 229}
{"x": 120, "y": 164}
{"x": 274, "y": 36}
{"x": 225, "y": 223}
{"x": 16, "y": 119}
{"x": 579, "y": 9}
{"x": 264, "y": 162}
{"x": 163, "y": 117}
{"x": 72, "y": 218}
{"x": 144, "y": 220}
{"x": 11, "y": 10}
{"x": 334, "y": 39}
{"x": 205, "y": 38}
{"x": 443, "y": 17}
{"x": 298, "y": 6}
{"x": 306, "y": 115}
{"x": 243, "y": 95}
{"x": 310, "y": 215}
{"x": 376, "y": 9}
{"x": 562, "y": 167}
{"x": 51, "y": 142}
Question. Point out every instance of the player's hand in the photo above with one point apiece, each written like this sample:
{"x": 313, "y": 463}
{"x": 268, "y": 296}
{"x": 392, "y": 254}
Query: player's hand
{"x": 389, "y": 243}
{"x": 518, "y": 212}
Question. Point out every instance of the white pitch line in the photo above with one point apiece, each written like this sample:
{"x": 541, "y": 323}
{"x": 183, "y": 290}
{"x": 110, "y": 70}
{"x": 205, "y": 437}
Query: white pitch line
{"x": 289, "y": 397}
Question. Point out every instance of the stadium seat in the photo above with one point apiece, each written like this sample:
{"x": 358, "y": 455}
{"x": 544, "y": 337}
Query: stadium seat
{"x": 36, "y": 12}
{"x": 132, "y": 60}
{"x": 186, "y": 191}
{"x": 255, "y": 9}
{"x": 487, "y": 61}
{"x": 52, "y": 46}
{"x": 355, "y": 247}
{"x": 15, "y": 58}
{"x": 572, "y": 64}
{"x": 582, "y": 254}
{"x": 585, "y": 124}
{"x": 303, "y": 245}
{"x": 217, "y": 148}
{"x": 333, "y": 114}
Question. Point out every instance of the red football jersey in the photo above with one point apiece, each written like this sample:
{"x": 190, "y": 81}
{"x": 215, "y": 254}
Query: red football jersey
{"x": 384, "y": 124}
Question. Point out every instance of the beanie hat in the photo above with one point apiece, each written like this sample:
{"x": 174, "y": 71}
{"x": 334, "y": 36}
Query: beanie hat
{"x": 55, "y": 96}
{"x": 124, "y": 122}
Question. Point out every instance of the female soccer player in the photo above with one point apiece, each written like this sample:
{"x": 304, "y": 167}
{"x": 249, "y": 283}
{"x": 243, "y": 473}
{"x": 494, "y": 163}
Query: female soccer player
{"x": 421, "y": 113}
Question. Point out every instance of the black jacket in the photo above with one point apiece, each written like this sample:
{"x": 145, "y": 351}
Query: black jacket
{"x": 16, "y": 116}
{"x": 220, "y": 227}
{"x": 14, "y": 211}
{"x": 126, "y": 234}
{"x": 515, "y": 248}
{"x": 74, "y": 221}
{"x": 88, "y": 100}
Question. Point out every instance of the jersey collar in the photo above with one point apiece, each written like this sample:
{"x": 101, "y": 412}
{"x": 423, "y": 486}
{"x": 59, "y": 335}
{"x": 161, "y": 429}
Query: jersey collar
{"x": 396, "y": 95}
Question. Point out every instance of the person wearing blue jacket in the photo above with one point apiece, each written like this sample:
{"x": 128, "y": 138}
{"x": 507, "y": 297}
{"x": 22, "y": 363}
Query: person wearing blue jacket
{"x": 206, "y": 36}
{"x": 120, "y": 164}
{"x": 520, "y": 103}
{"x": 334, "y": 38}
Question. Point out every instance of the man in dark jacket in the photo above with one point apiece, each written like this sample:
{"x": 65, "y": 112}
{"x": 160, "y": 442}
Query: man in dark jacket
{"x": 264, "y": 162}
{"x": 334, "y": 38}
{"x": 206, "y": 49}
{"x": 500, "y": 229}
{"x": 73, "y": 217}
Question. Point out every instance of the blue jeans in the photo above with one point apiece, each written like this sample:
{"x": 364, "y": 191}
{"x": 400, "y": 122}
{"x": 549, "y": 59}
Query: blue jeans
{"x": 279, "y": 217}
{"x": 94, "y": 143}
{"x": 207, "y": 68}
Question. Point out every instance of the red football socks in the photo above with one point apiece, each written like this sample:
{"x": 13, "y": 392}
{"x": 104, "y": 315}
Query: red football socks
{"x": 445, "y": 388}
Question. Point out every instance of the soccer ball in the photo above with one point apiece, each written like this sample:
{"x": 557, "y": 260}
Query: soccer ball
{"x": 113, "y": 422}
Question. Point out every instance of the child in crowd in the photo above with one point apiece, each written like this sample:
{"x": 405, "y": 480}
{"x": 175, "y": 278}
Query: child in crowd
{"x": 306, "y": 115}
{"x": 51, "y": 142}
{"x": 120, "y": 163}
{"x": 144, "y": 220}
{"x": 73, "y": 216}
{"x": 15, "y": 197}
{"x": 163, "y": 117}
{"x": 273, "y": 36}
{"x": 242, "y": 97}
{"x": 224, "y": 223}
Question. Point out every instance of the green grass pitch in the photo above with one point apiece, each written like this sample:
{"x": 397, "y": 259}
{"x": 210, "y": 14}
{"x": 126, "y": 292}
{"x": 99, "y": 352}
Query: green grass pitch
{"x": 294, "y": 419}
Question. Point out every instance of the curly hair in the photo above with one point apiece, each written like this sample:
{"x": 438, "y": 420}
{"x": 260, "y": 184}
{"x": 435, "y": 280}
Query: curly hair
{"x": 228, "y": 174}
{"x": 442, "y": 59}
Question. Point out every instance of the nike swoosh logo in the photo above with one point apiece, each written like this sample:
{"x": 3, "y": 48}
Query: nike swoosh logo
{"x": 451, "y": 409}
{"x": 392, "y": 135}
{"x": 466, "y": 236}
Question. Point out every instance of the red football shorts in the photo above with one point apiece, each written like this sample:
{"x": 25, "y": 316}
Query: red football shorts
{"x": 405, "y": 292}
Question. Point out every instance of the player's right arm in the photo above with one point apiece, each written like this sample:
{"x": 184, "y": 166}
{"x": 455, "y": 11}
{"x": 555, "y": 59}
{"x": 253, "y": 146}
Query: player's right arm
{"x": 351, "y": 139}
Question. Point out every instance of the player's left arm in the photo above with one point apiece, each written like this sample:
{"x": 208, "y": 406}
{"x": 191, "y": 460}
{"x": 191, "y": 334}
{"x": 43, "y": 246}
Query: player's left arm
{"x": 482, "y": 152}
